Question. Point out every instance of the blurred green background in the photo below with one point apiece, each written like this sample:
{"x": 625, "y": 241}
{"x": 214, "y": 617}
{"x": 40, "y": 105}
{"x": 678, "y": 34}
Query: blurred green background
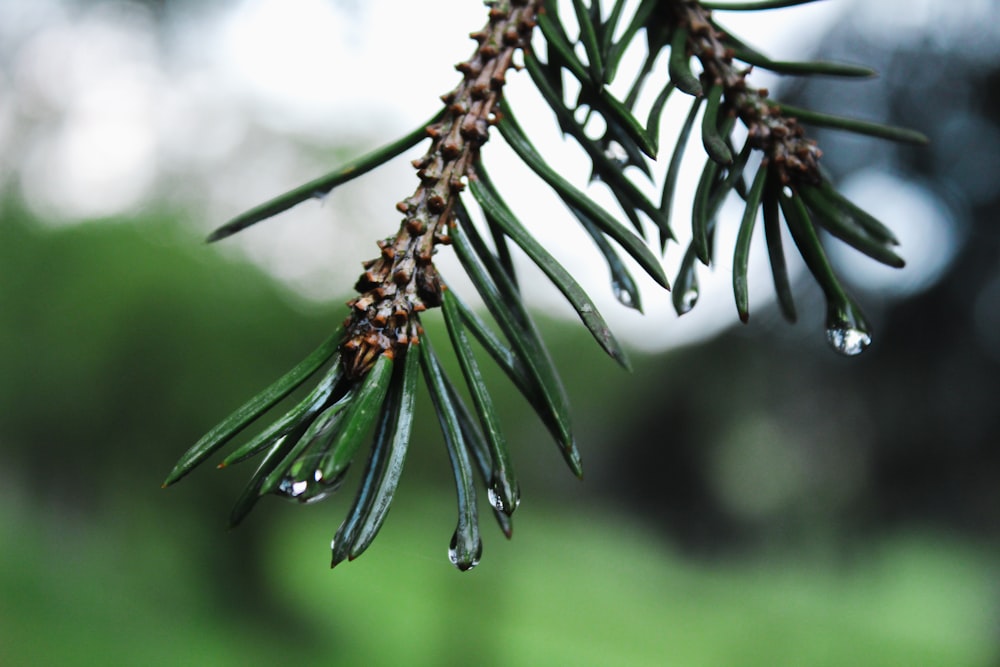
{"x": 751, "y": 499}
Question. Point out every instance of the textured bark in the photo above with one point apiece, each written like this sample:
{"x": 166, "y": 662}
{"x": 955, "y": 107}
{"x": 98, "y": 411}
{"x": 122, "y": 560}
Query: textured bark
{"x": 402, "y": 281}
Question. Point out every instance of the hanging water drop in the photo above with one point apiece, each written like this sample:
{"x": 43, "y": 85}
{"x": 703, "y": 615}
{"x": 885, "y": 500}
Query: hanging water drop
{"x": 687, "y": 301}
{"x": 498, "y": 497}
{"x": 466, "y": 557}
{"x": 318, "y": 492}
{"x": 616, "y": 153}
{"x": 847, "y": 329}
{"x": 625, "y": 296}
{"x": 307, "y": 491}
{"x": 495, "y": 499}
{"x": 848, "y": 340}
{"x": 321, "y": 489}
{"x": 290, "y": 488}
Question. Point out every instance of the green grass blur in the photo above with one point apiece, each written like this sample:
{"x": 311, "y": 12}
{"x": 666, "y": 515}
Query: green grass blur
{"x": 568, "y": 590}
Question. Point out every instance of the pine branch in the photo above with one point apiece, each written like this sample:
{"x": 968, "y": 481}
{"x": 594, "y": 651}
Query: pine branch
{"x": 790, "y": 159}
{"x": 373, "y": 362}
{"x": 403, "y": 281}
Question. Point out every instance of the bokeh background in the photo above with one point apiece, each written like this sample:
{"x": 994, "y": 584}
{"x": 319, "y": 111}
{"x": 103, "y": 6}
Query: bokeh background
{"x": 750, "y": 497}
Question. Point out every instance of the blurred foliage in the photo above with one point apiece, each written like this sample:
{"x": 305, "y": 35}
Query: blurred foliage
{"x": 111, "y": 333}
{"x": 99, "y": 324}
{"x": 579, "y": 591}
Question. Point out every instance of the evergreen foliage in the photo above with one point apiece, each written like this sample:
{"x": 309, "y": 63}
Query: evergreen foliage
{"x": 755, "y": 147}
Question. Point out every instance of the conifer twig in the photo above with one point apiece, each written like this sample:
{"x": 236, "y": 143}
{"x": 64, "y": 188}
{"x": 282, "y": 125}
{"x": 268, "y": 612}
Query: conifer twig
{"x": 778, "y": 135}
{"x": 403, "y": 281}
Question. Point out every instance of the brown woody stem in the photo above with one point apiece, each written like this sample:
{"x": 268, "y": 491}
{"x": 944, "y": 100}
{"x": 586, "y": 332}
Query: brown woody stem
{"x": 402, "y": 281}
{"x": 793, "y": 156}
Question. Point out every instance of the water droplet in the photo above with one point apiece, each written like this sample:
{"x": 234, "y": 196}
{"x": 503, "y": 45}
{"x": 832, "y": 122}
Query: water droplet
{"x": 289, "y": 488}
{"x": 497, "y": 498}
{"x": 616, "y": 153}
{"x": 586, "y": 308}
{"x": 465, "y": 558}
{"x": 317, "y": 492}
{"x": 308, "y": 491}
{"x": 687, "y": 301}
{"x": 624, "y": 296}
{"x": 847, "y": 329}
{"x": 847, "y": 340}
{"x": 321, "y": 489}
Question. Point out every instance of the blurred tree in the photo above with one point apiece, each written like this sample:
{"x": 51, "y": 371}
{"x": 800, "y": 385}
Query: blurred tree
{"x": 117, "y": 340}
